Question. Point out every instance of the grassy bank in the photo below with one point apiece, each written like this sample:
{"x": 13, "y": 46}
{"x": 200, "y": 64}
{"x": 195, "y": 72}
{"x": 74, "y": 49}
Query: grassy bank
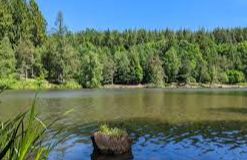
{"x": 34, "y": 84}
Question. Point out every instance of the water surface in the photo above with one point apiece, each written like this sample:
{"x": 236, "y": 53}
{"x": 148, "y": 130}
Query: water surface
{"x": 182, "y": 124}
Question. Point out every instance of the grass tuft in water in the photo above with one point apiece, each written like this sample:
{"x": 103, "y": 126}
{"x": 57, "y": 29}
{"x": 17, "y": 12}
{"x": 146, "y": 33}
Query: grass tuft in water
{"x": 112, "y": 132}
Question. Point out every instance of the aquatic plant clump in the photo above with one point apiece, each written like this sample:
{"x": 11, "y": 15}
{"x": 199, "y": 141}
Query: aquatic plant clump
{"x": 112, "y": 132}
{"x": 111, "y": 141}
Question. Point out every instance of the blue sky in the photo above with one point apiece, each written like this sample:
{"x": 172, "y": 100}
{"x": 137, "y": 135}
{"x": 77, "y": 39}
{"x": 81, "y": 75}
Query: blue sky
{"x": 148, "y": 14}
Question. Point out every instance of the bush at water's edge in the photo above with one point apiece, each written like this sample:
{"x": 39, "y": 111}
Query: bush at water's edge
{"x": 34, "y": 84}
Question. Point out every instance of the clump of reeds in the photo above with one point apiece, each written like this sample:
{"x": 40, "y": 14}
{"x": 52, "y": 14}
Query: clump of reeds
{"x": 22, "y": 137}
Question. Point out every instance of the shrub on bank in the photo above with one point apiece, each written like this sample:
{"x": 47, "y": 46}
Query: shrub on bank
{"x": 235, "y": 76}
{"x": 70, "y": 85}
{"x": 34, "y": 84}
{"x": 223, "y": 77}
{"x": 7, "y": 83}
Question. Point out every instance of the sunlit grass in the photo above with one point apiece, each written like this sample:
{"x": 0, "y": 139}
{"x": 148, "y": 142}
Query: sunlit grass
{"x": 23, "y": 137}
{"x": 35, "y": 84}
{"x": 112, "y": 132}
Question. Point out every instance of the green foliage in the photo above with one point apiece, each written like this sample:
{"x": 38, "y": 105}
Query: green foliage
{"x": 72, "y": 84}
{"x": 136, "y": 72}
{"x": 36, "y": 84}
{"x": 21, "y": 138}
{"x": 242, "y": 48}
{"x": 91, "y": 71}
{"x": 6, "y": 20}
{"x": 22, "y": 21}
{"x": 112, "y": 132}
{"x": 223, "y": 77}
{"x": 30, "y": 84}
{"x": 188, "y": 55}
{"x": 60, "y": 60}
{"x": 25, "y": 55}
{"x": 94, "y": 58}
{"x": 38, "y": 24}
{"x": 155, "y": 71}
{"x": 235, "y": 76}
{"x": 122, "y": 74}
{"x": 7, "y": 59}
{"x": 172, "y": 64}
{"x": 108, "y": 68}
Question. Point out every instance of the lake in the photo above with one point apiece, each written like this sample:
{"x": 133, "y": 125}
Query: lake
{"x": 169, "y": 124}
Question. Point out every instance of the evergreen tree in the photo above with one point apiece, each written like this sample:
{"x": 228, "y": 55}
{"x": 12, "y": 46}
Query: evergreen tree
{"x": 122, "y": 74}
{"x": 136, "y": 72}
{"x": 91, "y": 70}
{"x": 61, "y": 58}
{"x": 172, "y": 64}
{"x": 155, "y": 71}
{"x": 109, "y": 67}
{"x": 38, "y": 27}
{"x": 6, "y": 20}
{"x": 25, "y": 55}
{"x": 22, "y": 24}
{"x": 7, "y": 59}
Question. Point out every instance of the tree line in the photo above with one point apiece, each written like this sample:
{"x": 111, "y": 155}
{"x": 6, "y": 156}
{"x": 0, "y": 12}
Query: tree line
{"x": 94, "y": 58}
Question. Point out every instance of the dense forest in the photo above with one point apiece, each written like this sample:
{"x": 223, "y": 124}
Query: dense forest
{"x": 94, "y": 58}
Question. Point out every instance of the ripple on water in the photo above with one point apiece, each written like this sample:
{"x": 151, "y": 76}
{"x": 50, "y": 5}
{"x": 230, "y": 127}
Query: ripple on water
{"x": 159, "y": 140}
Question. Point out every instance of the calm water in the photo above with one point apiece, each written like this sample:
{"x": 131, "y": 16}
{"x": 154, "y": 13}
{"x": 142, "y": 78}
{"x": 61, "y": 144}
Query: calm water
{"x": 164, "y": 124}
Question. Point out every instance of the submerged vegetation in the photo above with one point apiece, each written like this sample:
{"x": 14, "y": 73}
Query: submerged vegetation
{"x": 93, "y": 58}
{"x": 22, "y": 137}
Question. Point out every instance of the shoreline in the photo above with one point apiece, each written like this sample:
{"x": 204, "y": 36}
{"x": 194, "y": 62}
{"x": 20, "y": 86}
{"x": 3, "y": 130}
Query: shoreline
{"x": 176, "y": 86}
{"x": 32, "y": 84}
